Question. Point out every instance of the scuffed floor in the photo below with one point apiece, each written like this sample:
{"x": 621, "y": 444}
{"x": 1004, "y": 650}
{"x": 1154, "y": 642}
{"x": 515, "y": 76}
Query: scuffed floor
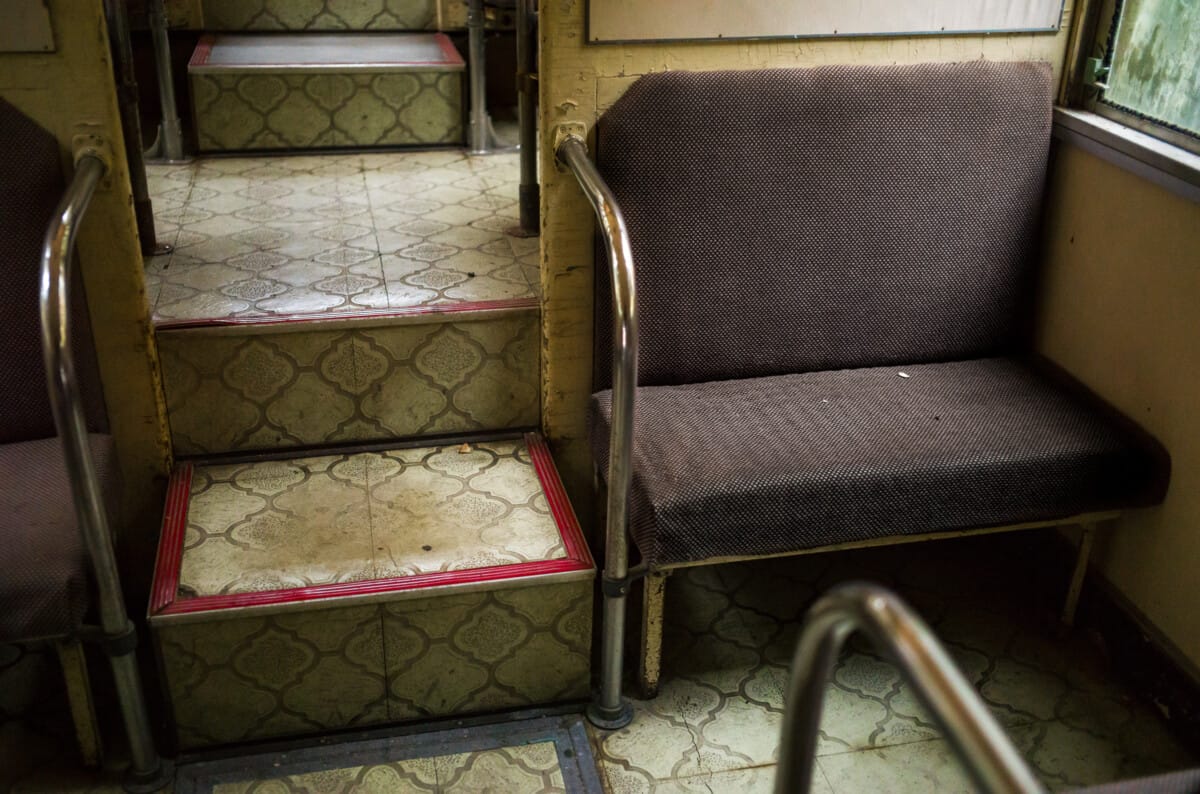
{"x": 731, "y": 631}
{"x": 336, "y": 234}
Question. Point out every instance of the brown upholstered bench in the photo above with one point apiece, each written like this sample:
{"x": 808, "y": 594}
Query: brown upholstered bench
{"x": 825, "y": 277}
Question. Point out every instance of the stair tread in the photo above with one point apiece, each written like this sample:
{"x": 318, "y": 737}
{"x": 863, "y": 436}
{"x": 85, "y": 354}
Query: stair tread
{"x": 305, "y": 522}
{"x": 334, "y": 51}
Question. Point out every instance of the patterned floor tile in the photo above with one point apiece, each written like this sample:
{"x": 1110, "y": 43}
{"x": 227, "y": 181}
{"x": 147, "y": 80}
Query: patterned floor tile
{"x": 294, "y": 523}
{"x": 730, "y": 634}
{"x": 310, "y": 235}
{"x": 299, "y": 385}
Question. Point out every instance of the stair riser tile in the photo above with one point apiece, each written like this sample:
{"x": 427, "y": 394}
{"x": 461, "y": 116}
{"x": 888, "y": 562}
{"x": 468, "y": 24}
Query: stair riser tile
{"x": 257, "y": 110}
{"x": 242, "y": 679}
{"x": 486, "y": 651}
{"x": 278, "y": 390}
{"x": 320, "y": 15}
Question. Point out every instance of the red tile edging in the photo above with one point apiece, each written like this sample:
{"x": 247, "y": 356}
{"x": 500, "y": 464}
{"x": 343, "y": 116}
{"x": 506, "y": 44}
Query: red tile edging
{"x": 170, "y": 554}
{"x": 413, "y": 311}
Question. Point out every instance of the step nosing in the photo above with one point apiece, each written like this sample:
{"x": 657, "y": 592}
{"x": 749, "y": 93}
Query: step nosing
{"x": 416, "y": 315}
{"x": 326, "y": 51}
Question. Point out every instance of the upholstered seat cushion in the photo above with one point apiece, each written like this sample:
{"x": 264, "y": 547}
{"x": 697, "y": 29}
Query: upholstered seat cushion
{"x": 1186, "y": 781}
{"x": 43, "y": 561}
{"x": 790, "y": 462}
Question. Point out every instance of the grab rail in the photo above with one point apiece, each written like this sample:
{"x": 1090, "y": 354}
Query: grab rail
{"x": 67, "y": 405}
{"x": 609, "y": 710}
{"x": 980, "y": 743}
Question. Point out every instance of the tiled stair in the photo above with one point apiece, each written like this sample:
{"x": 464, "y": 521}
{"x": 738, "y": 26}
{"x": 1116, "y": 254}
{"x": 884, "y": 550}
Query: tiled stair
{"x": 289, "y": 91}
{"x": 309, "y": 594}
{"x": 361, "y": 530}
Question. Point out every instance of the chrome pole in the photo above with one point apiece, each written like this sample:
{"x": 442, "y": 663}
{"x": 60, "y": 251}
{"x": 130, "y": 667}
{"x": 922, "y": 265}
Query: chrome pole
{"x": 127, "y": 96}
{"x": 479, "y": 126}
{"x": 527, "y": 103}
{"x": 120, "y": 638}
{"x": 170, "y": 133}
{"x": 980, "y": 743}
{"x": 610, "y": 710}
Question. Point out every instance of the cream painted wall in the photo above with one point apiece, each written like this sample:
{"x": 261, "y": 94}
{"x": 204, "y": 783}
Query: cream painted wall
{"x": 61, "y": 90}
{"x": 577, "y": 82}
{"x": 1121, "y": 311}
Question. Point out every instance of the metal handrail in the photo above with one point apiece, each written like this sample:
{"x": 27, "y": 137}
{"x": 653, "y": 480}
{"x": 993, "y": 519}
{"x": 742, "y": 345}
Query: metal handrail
{"x": 67, "y": 405}
{"x": 978, "y": 740}
{"x": 610, "y": 710}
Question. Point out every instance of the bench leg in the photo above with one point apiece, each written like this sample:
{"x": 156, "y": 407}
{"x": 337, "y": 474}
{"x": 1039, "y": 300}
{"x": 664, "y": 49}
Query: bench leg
{"x": 79, "y": 696}
{"x": 650, "y": 663}
{"x": 1077, "y": 576}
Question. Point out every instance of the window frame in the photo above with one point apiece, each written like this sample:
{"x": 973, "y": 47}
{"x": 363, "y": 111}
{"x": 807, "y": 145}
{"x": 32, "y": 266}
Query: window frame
{"x": 1099, "y": 33}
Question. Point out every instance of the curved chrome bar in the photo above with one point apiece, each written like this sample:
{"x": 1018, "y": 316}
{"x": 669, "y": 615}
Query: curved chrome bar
{"x": 609, "y": 710}
{"x": 66, "y": 402}
{"x": 980, "y": 743}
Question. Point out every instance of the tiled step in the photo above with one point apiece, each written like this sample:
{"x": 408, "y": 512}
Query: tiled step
{"x": 323, "y": 14}
{"x": 303, "y": 595}
{"x": 280, "y": 383}
{"x": 293, "y": 91}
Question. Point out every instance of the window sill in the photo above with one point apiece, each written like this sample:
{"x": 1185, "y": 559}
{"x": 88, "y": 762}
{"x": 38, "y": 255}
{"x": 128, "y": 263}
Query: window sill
{"x": 1163, "y": 163}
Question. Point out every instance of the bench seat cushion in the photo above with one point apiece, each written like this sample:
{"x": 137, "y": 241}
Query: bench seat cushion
{"x": 43, "y": 561}
{"x": 791, "y": 462}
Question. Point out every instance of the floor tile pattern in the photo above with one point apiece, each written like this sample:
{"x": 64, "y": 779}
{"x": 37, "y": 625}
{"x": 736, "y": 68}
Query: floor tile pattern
{"x": 336, "y": 233}
{"x": 730, "y": 634}
{"x": 256, "y": 109}
{"x": 320, "y": 15}
{"x": 526, "y": 769}
{"x": 275, "y": 525}
{"x": 232, "y": 390}
{"x": 232, "y": 679}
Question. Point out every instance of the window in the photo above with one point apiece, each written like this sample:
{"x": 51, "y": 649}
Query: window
{"x": 1146, "y": 69}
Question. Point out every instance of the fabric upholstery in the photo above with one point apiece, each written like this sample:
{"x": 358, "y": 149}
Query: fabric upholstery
{"x": 784, "y": 463}
{"x": 1185, "y": 782}
{"x": 43, "y": 562}
{"x": 812, "y": 219}
{"x": 32, "y": 180}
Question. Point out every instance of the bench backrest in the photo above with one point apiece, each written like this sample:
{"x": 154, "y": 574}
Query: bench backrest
{"x": 794, "y": 220}
{"x": 31, "y": 185}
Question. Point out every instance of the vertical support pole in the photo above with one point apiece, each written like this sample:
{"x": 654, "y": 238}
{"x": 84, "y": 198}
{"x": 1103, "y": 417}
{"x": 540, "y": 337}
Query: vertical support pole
{"x": 527, "y": 104}
{"x": 79, "y": 697}
{"x": 653, "y": 601}
{"x": 1081, "y": 564}
{"x": 131, "y": 123}
{"x": 479, "y": 124}
{"x": 171, "y": 134}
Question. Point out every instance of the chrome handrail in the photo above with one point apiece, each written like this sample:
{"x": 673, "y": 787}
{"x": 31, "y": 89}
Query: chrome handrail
{"x": 609, "y": 710}
{"x": 978, "y": 740}
{"x": 67, "y": 405}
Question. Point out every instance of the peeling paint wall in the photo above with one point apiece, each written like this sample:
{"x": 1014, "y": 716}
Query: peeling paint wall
{"x": 1120, "y": 300}
{"x": 577, "y": 82}
{"x": 61, "y": 90}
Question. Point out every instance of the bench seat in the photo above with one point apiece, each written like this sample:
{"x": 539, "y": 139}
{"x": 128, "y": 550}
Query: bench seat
{"x": 43, "y": 563}
{"x": 779, "y": 464}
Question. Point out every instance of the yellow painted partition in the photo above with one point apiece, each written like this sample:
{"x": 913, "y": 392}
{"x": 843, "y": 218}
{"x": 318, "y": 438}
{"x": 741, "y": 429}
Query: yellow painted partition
{"x": 1121, "y": 311}
{"x": 62, "y": 90}
{"x": 577, "y": 82}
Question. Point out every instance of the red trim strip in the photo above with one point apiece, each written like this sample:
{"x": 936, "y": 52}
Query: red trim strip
{"x": 453, "y": 56}
{"x": 414, "y": 311}
{"x": 170, "y": 554}
{"x": 556, "y": 495}
{"x": 203, "y": 51}
{"x": 371, "y": 587}
{"x": 170, "y": 544}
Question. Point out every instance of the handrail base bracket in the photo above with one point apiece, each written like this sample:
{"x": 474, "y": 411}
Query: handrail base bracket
{"x": 610, "y": 719}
